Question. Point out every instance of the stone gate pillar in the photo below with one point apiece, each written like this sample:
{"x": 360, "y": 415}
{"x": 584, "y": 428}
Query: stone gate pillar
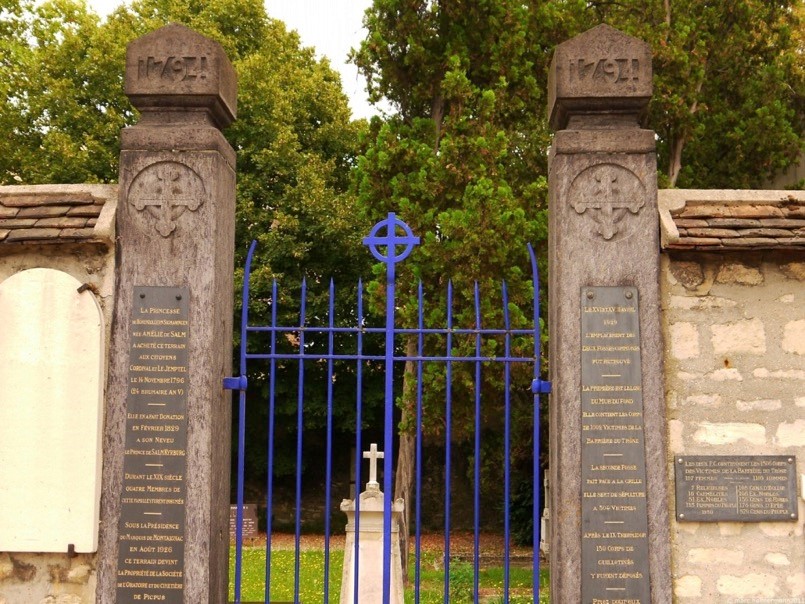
{"x": 165, "y": 504}
{"x": 609, "y": 503}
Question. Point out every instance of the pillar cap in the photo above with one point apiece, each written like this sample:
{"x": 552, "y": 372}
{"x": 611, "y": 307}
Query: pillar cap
{"x": 177, "y": 70}
{"x": 601, "y": 72}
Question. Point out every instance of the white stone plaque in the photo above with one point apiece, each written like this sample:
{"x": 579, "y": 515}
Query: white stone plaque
{"x": 51, "y": 413}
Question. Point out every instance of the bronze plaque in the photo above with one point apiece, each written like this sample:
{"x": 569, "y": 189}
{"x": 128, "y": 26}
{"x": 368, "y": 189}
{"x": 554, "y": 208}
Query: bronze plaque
{"x": 614, "y": 531}
{"x": 151, "y": 531}
{"x": 738, "y": 488}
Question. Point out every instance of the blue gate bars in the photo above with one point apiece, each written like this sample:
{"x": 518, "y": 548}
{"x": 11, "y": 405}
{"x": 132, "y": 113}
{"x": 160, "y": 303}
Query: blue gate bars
{"x": 390, "y": 241}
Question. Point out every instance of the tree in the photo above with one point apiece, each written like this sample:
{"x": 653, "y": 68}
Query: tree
{"x": 728, "y": 86}
{"x": 62, "y": 107}
{"x": 463, "y": 162}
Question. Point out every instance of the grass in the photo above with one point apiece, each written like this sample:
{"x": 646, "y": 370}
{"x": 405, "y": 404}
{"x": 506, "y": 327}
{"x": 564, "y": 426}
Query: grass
{"x": 311, "y": 577}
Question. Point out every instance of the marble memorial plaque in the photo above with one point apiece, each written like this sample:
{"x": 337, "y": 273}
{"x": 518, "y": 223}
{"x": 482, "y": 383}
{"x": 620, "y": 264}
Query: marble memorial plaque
{"x": 614, "y": 539}
{"x": 737, "y": 488}
{"x": 152, "y": 512}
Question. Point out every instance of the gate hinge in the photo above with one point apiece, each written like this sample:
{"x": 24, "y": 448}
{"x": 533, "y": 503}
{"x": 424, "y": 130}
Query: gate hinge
{"x": 541, "y": 387}
{"x": 236, "y": 383}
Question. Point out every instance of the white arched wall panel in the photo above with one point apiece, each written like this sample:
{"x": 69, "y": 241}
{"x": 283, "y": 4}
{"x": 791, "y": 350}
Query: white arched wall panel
{"x": 51, "y": 413}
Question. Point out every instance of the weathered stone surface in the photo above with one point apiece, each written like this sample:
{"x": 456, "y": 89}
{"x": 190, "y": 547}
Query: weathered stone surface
{"x": 759, "y": 405}
{"x": 794, "y": 270}
{"x": 715, "y": 555}
{"x": 6, "y": 566}
{"x": 777, "y": 559}
{"x": 178, "y": 238}
{"x": 701, "y": 302}
{"x": 791, "y": 434}
{"x": 730, "y": 529}
{"x": 710, "y": 433}
{"x": 728, "y": 374}
{"x": 710, "y": 401}
{"x": 594, "y": 227}
{"x": 688, "y": 273}
{"x": 794, "y": 337}
{"x": 796, "y": 583}
{"x": 783, "y": 374}
{"x": 739, "y": 273}
{"x": 601, "y": 71}
{"x": 753, "y": 584}
{"x": 739, "y": 337}
{"x": 689, "y": 586}
{"x": 177, "y": 68}
{"x": 684, "y": 340}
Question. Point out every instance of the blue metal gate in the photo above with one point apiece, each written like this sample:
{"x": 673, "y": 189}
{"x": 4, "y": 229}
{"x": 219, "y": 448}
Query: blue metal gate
{"x": 396, "y": 238}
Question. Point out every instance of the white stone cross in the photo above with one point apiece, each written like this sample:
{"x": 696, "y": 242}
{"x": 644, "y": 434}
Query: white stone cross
{"x": 373, "y": 455}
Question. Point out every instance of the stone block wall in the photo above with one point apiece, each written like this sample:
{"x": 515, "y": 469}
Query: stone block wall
{"x": 734, "y": 328}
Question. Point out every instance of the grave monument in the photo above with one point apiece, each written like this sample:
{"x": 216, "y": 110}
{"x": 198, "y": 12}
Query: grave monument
{"x": 609, "y": 508}
{"x": 369, "y": 542}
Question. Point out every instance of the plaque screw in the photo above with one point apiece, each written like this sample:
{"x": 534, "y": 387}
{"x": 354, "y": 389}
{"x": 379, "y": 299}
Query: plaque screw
{"x": 178, "y": 297}
{"x": 679, "y": 460}
{"x": 628, "y": 295}
{"x": 590, "y": 295}
{"x": 793, "y": 515}
{"x": 142, "y": 296}
{"x": 682, "y": 515}
{"x": 790, "y": 460}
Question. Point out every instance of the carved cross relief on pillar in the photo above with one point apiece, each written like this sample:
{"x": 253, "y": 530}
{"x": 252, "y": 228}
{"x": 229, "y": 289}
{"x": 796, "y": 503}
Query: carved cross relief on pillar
{"x": 607, "y": 193}
{"x": 166, "y": 189}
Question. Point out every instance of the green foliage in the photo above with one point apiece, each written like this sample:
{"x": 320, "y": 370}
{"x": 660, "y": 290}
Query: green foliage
{"x": 61, "y": 101}
{"x": 728, "y": 86}
{"x": 462, "y": 161}
{"x": 62, "y": 107}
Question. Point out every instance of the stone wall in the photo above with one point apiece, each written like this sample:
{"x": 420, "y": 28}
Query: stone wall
{"x": 68, "y": 228}
{"x": 734, "y": 327}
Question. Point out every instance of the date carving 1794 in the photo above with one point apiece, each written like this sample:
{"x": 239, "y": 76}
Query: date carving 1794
{"x": 609, "y": 70}
{"x": 173, "y": 69}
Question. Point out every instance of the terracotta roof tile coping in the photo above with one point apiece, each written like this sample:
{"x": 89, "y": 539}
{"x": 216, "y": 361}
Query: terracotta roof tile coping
{"x": 57, "y": 213}
{"x": 731, "y": 219}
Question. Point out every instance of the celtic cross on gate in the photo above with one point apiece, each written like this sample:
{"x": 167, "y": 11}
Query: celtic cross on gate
{"x": 391, "y": 240}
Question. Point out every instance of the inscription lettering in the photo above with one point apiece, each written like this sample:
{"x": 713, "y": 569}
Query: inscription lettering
{"x": 613, "y": 71}
{"x": 152, "y": 520}
{"x": 736, "y": 488}
{"x": 172, "y": 69}
{"x": 613, "y": 463}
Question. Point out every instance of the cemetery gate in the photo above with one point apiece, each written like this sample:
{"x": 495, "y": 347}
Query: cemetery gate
{"x": 390, "y": 242}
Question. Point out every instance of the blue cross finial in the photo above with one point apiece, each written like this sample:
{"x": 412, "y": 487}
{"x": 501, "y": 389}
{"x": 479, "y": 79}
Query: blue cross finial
{"x": 391, "y": 240}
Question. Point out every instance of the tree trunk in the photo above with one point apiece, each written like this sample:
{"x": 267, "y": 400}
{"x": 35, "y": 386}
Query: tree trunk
{"x": 680, "y": 140}
{"x": 675, "y": 158}
{"x": 406, "y": 458}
